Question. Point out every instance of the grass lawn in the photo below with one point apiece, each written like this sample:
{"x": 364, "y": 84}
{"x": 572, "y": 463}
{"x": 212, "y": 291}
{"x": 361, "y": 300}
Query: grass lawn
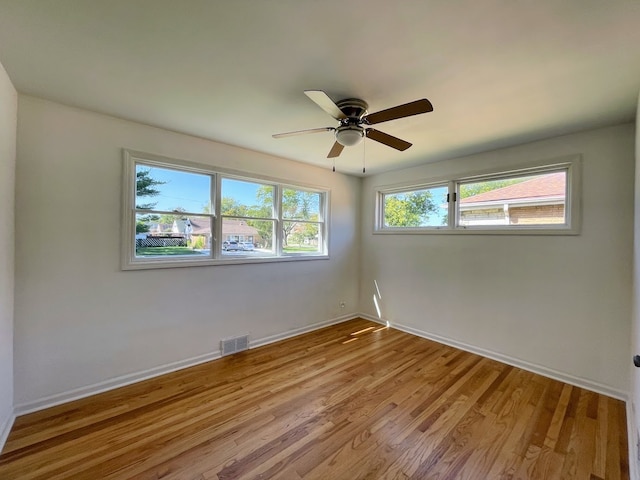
{"x": 161, "y": 251}
{"x": 299, "y": 248}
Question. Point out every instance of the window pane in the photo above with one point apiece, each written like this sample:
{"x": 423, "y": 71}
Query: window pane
{"x": 172, "y": 235}
{"x": 241, "y": 237}
{"x": 526, "y": 200}
{"x": 301, "y": 238}
{"x": 420, "y": 208}
{"x": 300, "y": 205}
{"x": 246, "y": 199}
{"x": 172, "y": 190}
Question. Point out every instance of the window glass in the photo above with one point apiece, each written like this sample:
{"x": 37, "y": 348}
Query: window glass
{"x": 300, "y": 204}
{"x": 425, "y": 207}
{"x": 525, "y": 200}
{"x": 172, "y": 235}
{"x": 242, "y": 237}
{"x": 301, "y": 238}
{"x": 171, "y": 190}
{"x": 246, "y": 199}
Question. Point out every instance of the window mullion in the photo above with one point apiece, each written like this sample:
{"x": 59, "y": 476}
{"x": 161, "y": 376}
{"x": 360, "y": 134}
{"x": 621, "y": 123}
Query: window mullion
{"x": 452, "y": 217}
{"x": 277, "y": 213}
{"x": 216, "y": 220}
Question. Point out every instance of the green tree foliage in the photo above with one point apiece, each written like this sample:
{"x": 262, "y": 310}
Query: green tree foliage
{"x": 145, "y": 188}
{"x": 296, "y": 205}
{"x": 411, "y": 209}
{"x": 142, "y": 227}
{"x": 262, "y": 209}
{"x": 231, "y": 208}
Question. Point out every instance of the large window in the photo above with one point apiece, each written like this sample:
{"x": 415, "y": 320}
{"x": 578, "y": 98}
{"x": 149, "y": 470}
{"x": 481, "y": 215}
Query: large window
{"x": 181, "y": 214}
{"x": 538, "y": 199}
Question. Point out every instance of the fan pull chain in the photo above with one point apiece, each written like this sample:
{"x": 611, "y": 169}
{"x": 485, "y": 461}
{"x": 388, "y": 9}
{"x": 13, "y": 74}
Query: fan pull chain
{"x": 364, "y": 153}
{"x": 334, "y": 164}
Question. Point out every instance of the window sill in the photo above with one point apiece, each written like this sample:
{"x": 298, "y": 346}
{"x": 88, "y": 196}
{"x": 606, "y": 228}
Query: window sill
{"x": 153, "y": 264}
{"x": 510, "y": 230}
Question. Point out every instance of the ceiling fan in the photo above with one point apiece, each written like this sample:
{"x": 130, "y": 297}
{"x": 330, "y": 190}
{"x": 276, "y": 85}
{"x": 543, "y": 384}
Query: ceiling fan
{"x": 354, "y": 121}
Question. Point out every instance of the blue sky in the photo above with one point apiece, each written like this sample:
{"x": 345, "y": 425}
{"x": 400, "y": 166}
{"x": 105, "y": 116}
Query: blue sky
{"x": 191, "y": 191}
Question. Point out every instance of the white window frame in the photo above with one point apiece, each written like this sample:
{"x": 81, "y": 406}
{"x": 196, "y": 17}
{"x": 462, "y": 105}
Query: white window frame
{"x": 321, "y": 222}
{"x": 129, "y": 261}
{"x": 571, "y": 164}
{"x": 382, "y": 194}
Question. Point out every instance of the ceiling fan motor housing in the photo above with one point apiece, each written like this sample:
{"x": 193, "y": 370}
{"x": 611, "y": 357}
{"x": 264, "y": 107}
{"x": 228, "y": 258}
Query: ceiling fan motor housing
{"x": 353, "y": 108}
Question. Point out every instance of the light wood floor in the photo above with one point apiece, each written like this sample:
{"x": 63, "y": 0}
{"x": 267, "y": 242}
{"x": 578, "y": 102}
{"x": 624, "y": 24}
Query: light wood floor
{"x": 336, "y": 404}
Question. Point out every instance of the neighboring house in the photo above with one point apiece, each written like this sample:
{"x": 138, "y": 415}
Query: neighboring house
{"x": 238, "y": 230}
{"x": 540, "y": 200}
{"x": 232, "y": 229}
{"x": 158, "y": 228}
{"x": 183, "y": 227}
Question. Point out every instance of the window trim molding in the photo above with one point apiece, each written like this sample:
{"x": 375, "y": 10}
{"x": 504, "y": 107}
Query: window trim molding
{"x": 573, "y": 225}
{"x": 128, "y": 260}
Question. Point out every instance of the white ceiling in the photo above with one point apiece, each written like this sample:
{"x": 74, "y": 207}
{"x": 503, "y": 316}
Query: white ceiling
{"x": 497, "y": 72}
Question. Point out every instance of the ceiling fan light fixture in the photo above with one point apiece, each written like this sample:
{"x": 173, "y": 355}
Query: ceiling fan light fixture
{"x": 349, "y": 135}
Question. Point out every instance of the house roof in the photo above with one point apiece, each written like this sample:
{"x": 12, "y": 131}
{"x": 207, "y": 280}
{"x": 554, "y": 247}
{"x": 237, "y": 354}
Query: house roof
{"x": 199, "y": 228}
{"x": 238, "y": 227}
{"x": 497, "y": 73}
{"x": 229, "y": 227}
{"x": 551, "y": 185}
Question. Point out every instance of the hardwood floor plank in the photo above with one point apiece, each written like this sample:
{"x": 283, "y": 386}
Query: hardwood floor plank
{"x": 497, "y": 427}
{"x": 387, "y": 405}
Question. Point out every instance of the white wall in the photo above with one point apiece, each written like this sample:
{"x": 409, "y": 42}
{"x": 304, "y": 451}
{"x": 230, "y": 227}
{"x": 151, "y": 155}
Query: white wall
{"x": 80, "y": 320}
{"x": 557, "y": 304}
{"x": 8, "y": 119}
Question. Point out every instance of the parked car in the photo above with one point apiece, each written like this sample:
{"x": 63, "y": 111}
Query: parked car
{"x": 246, "y": 246}
{"x": 229, "y": 246}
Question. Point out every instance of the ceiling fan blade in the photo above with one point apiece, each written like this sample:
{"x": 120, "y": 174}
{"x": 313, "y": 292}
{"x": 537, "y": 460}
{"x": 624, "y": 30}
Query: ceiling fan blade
{"x": 387, "y": 139}
{"x": 401, "y": 111}
{"x": 324, "y": 102}
{"x": 335, "y": 151}
{"x": 303, "y": 132}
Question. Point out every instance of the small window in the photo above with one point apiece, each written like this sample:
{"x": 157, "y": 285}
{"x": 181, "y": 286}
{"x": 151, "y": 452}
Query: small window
{"x": 538, "y": 199}
{"x": 181, "y": 214}
{"x": 426, "y": 207}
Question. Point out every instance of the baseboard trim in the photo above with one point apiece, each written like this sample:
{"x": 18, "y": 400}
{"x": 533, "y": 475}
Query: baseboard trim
{"x": 111, "y": 384}
{"x": 515, "y": 362}
{"x": 299, "y": 331}
{"x": 371, "y": 318}
{"x": 124, "y": 380}
{"x": 6, "y": 423}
